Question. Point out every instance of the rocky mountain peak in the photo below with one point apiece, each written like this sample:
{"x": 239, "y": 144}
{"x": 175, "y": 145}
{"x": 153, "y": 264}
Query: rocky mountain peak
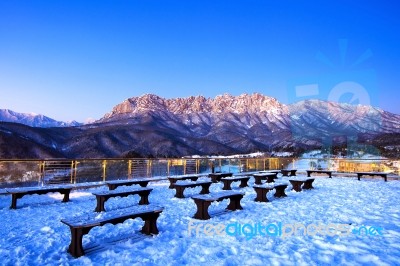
{"x": 226, "y": 103}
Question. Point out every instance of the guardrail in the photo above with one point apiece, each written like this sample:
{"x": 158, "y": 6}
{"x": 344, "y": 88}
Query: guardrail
{"x": 53, "y": 171}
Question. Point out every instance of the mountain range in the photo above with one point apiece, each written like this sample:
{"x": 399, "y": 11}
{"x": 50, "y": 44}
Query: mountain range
{"x": 33, "y": 120}
{"x": 152, "y": 126}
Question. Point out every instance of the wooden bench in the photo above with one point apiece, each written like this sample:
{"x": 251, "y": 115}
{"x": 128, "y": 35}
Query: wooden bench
{"x": 216, "y": 177}
{"x": 382, "y": 174}
{"x": 114, "y": 184}
{"x": 180, "y": 187}
{"x": 297, "y": 183}
{"x": 204, "y": 201}
{"x": 81, "y": 225}
{"x": 173, "y": 179}
{"x": 228, "y": 181}
{"x": 291, "y": 172}
{"x": 18, "y": 193}
{"x": 328, "y": 172}
{"x": 102, "y": 197}
{"x": 262, "y": 191}
{"x": 268, "y": 176}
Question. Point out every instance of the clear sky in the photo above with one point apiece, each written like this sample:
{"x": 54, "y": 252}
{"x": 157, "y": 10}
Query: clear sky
{"x": 73, "y": 60}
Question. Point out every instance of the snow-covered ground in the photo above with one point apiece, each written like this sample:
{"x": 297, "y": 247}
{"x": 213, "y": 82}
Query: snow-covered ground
{"x": 34, "y": 235}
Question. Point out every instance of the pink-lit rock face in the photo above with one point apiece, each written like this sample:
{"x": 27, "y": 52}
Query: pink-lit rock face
{"x": 245, "y": 103}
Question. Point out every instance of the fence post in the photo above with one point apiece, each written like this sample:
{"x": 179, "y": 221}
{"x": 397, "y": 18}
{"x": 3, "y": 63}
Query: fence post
{"x": 41, "y": 171}
{"x": 129, "y": 169}
{"x": 75, "y": 170}
{"x": 104, "y": 164}
{"x": 149, "y": 163}
{"x": 72, "y": 172}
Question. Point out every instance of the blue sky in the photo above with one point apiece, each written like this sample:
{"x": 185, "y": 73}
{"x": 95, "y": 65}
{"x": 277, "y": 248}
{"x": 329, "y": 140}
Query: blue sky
{"x": 73, "y": 60}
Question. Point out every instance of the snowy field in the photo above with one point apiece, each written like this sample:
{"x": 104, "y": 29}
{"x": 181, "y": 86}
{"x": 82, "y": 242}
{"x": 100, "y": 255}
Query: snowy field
{"x": 34, "y": 235}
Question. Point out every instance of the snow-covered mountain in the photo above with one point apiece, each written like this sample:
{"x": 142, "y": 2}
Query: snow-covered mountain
{"x": 150, "y": 125}
{"x": 221, "y": 104}
{"x": 257, "y": 114}
{"x": 33, "y": 120}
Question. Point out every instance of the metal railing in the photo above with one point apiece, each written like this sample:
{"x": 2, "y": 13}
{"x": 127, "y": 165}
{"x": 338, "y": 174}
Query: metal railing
{"x": 15, "y": 173}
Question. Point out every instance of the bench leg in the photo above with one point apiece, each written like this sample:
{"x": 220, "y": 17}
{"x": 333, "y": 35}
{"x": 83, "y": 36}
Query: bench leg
{"x": 234, "y": 203}
{"x": 205, "y": 189}
{"x": 179, "y": 192}
{"x": 280, "y": 192}
{"x": 144, "y": 198}
{"x": 150, "y": 224}
{"x": 257, "y": 180}
{"x": 243, "y": 183}
{"x": 144, "y": 184}
{"x": 358, "y": 176}
{"x": 261, "y": 195}
{"x": 308, "y": 174}
{"x": 171, "y": 184}
{"x": 75, "y": 247}
{"x": 202, "y": 209}
{"x": 308, "y": 184}
{"x": 297, "y": 186}
{"x": 227, "y": 185}
{"x": 385, "y": 177}
{"x": 66, "y": 196}
{"x": 100, "y": 204}
{"x": 14, "y": 198}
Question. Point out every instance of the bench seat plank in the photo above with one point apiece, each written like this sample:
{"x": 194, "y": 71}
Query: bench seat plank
{"x": 216, "y": 177}
{"x": 270, "y": 171}
{"x": 143, "y": 182}
{"x": 328, "y": 172}
{"x": 217, "y": 195}
{"x": 382, "y": 174}
{"x": 174, "y": 179}
{"x": 268, "y": 176}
